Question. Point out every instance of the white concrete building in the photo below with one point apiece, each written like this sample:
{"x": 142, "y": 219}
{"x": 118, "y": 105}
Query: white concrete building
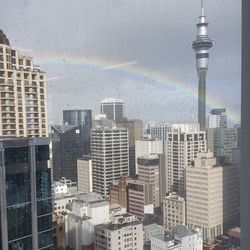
{"x": 86, "y": 212}
{"x": 84, "y": 174}
{"x": 63, "y": 195}
{"x": 212, "y": 196}
{"x": 182, "y": 145}
{"x": 174, "y": 211}
{"x": 217, "y": 118}
{"x": 165, "y": 242}
{"x": 125, "y": 232}
{"x": 110, "y": 157}
{"x": 179, "y": 238}
{"x": 146, "y": 147}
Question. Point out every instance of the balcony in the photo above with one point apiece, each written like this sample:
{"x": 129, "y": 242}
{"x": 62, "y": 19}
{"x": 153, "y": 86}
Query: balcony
{"x": 6, "y": 103}
{"x": 7, "y": 97}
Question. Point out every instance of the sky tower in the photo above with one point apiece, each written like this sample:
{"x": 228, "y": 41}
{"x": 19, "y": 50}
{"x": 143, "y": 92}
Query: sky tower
{"x": 201, "y": 45}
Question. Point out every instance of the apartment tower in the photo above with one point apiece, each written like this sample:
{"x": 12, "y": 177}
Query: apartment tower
{"x": 23, "y": 109}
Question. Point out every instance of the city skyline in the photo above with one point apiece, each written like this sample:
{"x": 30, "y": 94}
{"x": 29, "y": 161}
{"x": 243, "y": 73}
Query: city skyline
{"x": 122, "y": 54}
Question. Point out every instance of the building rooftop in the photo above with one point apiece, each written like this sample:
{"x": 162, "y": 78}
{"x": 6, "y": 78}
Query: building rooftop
{"x": 217, "y": 111}
{"x": 182, "y": 231}
{"x": 111, "y": 100}
{"x": 64, "y": 128}
{"x": 152, "y": 227}
{"x": 113, "y": 227}
{"x": 164, "y": 237}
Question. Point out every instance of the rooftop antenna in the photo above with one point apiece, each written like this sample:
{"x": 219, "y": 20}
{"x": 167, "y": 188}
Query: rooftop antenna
{"x": 202, "y": 8}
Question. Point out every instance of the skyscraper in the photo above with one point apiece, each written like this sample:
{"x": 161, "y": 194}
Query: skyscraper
{"x": 201, "y": 45}
{"x": 149, "y": 172}
{"x": 222, "y": 141}
{"x": 67, "y": 147}
{"x": 212, "y": 196}
{"x": 25, "y": 197}
{"x": 135, "y": 132}
{"x": 110, "y": 160}
{"x": 245, "y": 127}
{"x": 217, "y": 118}
{"x": 112, "y": 108}
{"x": 182, "y": 145}
{"x": 82, "y": 118}
{"x": 23, "y": 108}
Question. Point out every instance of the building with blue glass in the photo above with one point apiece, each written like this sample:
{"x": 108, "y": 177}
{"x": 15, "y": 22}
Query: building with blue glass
{"x": 25, "y": 194}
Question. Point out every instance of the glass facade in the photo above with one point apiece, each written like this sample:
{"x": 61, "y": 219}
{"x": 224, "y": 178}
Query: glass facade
{"x": 18, "y": 198}
{"x": 21, "y": 223}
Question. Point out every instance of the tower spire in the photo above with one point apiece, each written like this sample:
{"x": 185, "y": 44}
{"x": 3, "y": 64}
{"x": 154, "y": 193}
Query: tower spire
{"x": 202, "y": 8}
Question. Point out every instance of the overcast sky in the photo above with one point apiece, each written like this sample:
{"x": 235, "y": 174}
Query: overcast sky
{"x": 153, "y": 34}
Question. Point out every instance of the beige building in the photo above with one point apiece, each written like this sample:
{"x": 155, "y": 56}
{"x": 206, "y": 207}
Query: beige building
{"x": 84, "y": 174}
{"x": 23, "y": 110}
{"x": 174, "y": 211}
{"x": 212, "y": 196}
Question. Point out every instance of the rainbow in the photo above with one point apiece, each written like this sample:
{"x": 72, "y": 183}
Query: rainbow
{"x": 134, "y": 71}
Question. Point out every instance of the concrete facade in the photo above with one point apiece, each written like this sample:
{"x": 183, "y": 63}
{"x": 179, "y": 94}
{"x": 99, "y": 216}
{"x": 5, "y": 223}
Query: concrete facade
{"x": 174, "y": 211}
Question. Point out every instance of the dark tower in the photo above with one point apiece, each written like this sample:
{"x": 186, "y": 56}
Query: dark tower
{"x": 245, "y": 129}
{"x": 201, "y": 45}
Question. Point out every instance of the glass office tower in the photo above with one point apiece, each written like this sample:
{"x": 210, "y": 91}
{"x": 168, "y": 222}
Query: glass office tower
{"x": 83, "y": 118}
{"x": 25, "y": 194}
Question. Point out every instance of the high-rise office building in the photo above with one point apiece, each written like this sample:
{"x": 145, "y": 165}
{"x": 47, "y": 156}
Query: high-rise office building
{"x": 201, "y": 45}
{"x": 110, "y": 159}
{"x": 25, "y": 197}
{"x": 245, "y": 128}
{"x": 149, "y": 172}
{"x": 67, "y": 147}
{"x": 174, "y": 211}
{"x": 23, "y": 110}
{"x": 217, "y": 118}
{"x": 212, "y": 192}
{"x": 182, "y": 145}
{"x": 113, "y": 108}
{"x": 146, "y": 147}
{"x": 135, "y": 132}
{"x": 222, "y": 141}
{"x": 84, "y": 174}
{"x": 82, "y": 118}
